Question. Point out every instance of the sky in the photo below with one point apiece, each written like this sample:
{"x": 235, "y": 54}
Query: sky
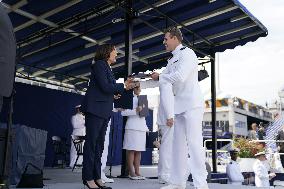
{"x": 254, "y": 72}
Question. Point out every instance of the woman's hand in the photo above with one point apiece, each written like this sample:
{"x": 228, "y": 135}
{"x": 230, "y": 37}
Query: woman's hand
{"x": 129, "y": 83}
{"x": 116, "y": 96}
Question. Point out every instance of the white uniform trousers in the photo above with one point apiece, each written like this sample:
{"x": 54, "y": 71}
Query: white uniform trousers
{"x": 105, "y": 152}
{"x": 165, "y": 152}
{"x": 188, "y": 140}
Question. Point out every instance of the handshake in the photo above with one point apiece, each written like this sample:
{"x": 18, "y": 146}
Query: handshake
{"x": 130, "y": 83}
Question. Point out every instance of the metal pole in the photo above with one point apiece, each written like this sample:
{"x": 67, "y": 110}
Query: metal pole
{"x": 128, "y": 37}
{"x": 128, "y": 70}
{"x": 213, "y": 107}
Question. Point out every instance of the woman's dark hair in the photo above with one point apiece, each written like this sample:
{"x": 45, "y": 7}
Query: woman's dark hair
{"x": 103, "y": 51}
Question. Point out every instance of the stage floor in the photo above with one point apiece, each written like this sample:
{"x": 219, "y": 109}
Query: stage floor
{"x": 66, "y": 179}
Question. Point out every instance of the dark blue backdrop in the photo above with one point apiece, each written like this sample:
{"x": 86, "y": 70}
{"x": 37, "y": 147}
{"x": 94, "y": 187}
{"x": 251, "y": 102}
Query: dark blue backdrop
{"x": 51, "y": 110}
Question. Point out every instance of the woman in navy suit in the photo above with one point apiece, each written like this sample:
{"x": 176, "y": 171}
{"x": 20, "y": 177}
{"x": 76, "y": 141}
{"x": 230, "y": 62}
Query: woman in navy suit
{"x": 97, "y": 106}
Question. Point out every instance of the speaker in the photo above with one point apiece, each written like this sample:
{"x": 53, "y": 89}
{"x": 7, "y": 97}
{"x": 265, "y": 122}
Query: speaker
{"x": 3, "y": 133}
{"x": 7, "y": 54}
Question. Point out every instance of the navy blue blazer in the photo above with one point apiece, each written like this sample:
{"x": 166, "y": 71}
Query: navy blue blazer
{"x": 99, "y": 96}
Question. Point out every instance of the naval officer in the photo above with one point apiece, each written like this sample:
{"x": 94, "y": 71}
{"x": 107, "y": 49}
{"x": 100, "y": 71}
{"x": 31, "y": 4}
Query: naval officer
{"x": 260, "y": 169}
{"x": 188, "y": 109}
{"x": 233, "y": 169}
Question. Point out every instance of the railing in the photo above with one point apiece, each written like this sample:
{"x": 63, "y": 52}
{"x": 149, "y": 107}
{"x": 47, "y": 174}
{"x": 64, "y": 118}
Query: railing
{"x": 230, "y": 140}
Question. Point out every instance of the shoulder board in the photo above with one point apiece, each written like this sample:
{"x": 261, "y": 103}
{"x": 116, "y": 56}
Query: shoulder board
{"x": 175, "y": 61}
{"x": 170, "y": 57}
{"x": 183, "y": 48}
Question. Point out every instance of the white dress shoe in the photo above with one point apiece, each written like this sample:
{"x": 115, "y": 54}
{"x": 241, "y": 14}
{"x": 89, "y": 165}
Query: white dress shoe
{"x": 134, "y": 178}
{"x": 105, "y": 179}
{"x": 162, "y": 181}
{"x": 205, "y": 187}
{"x": 141, "y": 177}
{"x": 172, "y": 186}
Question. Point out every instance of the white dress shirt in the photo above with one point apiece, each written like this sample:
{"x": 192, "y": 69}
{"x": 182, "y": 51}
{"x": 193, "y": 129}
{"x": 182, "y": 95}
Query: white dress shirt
{"x": 234, "y": 173}
{"x": 134, "y": 121}
{"x": 78, "y": 123}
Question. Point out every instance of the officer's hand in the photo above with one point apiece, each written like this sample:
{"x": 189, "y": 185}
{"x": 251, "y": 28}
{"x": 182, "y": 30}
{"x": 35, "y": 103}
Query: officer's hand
{"x": 157, "y": 144}
{"x": 155, "y": 76}
{"x": 170, "y": 122}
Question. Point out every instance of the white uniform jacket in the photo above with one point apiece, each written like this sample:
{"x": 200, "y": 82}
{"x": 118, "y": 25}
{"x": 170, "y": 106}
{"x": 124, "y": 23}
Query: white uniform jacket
{"x": 182, "y": 72}
{"x": 166, "y": 106}
{"x": 78, "y": 123}
{"x": 234, "y": 173}
{"x": 261, "y": 174}
{"x": 134, "y": 121}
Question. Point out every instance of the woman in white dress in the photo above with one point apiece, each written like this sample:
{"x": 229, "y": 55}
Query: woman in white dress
{"x": 134, "y": 137}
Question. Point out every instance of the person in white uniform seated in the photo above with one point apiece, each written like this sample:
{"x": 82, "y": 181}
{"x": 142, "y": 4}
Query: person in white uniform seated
{"x": 78, "y": 124}
{"x": 233, "y": 169}
{"x": 165, "y": 121}
{"x": 135, "y": 137}
{"x": 261, "y": 168}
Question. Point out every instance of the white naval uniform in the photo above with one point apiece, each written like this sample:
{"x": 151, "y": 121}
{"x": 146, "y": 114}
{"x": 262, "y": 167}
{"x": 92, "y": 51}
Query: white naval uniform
{"x": 182, "y": 73}
{"x": 234, "y": 173}
{"x": 78, "y": 123}
{"x": 165, "y": 111}
{"x": 135, "y": 129}
{"x": 105, "y": 151}
{"x": 261, "y": 174}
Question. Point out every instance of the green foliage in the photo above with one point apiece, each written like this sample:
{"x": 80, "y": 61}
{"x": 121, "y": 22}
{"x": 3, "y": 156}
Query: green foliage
{"x": 248, "y": 148}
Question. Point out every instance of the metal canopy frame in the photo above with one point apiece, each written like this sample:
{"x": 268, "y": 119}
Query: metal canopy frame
{"x": 62, "y": 41}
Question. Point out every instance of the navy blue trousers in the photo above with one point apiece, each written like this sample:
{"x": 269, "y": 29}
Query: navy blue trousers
{"x": 94, "y": 145}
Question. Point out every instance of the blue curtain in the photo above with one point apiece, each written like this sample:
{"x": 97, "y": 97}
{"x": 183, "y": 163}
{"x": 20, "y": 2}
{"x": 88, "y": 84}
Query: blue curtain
{"x": 51, "y": 110}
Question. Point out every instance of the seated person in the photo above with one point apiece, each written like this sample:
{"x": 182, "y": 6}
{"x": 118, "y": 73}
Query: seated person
{"x": 79, "y": 129}
{"x": 233, "y": 170}
{"x": 261, "y": 168}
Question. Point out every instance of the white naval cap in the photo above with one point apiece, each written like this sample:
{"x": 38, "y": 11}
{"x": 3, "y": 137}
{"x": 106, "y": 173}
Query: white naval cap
{"x": 78, "y": 106}
{"x": 259, "y": 154}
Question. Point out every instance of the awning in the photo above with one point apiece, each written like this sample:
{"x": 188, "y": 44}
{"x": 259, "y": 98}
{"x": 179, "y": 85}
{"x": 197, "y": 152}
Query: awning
{"x": 57, "y": 39}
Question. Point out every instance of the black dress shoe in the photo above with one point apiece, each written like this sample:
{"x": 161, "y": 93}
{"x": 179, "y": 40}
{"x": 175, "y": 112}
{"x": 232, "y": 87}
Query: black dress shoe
{"x": 86, "y": 184}
{"x": 104, "y": 187}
